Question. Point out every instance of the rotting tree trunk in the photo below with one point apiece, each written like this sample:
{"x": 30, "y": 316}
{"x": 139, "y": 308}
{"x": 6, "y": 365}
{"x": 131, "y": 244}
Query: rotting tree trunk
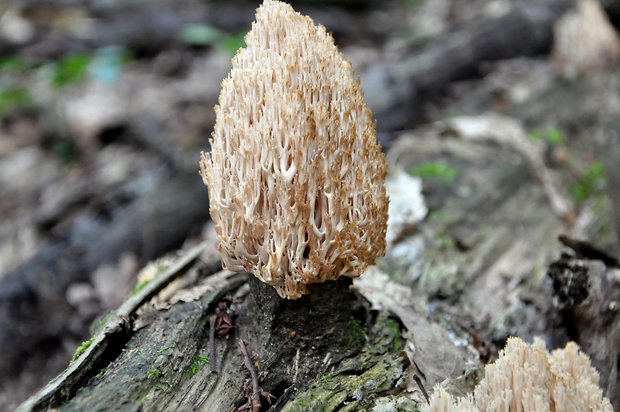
{"x": 328, "y": 334}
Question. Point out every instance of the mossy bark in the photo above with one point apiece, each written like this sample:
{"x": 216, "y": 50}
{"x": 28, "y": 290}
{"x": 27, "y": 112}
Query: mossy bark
{"x": 327, "y": 350}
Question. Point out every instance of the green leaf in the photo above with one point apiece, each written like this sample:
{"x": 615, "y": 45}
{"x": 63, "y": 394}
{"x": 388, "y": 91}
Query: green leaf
{"x": 12, "y": 64}
{"x": 554, "y": 136}
{"x": 201, "y": 35}
{"x": 197, "y": 362}
{"x": 233, "y": 42}
{"x": 550, "y": 134}
{"x": 14, "y": 97}
{"x": 70, "y": 69}
{"x": 206, "y": 35}
{"x": 592, "y": 179}
{"x": 438, "y": 170}
{"x": 154, "y": 374}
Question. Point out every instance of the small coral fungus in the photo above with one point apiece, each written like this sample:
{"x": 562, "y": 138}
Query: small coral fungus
{"x": 295, "y": 173}
{"x": 528, "y": 378}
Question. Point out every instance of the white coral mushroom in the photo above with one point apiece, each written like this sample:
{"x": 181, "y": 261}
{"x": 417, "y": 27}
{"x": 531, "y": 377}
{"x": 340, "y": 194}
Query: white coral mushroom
{"x": 295, "y": 174}
{"x": 527, "y": 378}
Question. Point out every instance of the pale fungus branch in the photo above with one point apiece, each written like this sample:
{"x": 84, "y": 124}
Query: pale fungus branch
{"x": 295, "y": 174}
{"x": 528, "y": 378}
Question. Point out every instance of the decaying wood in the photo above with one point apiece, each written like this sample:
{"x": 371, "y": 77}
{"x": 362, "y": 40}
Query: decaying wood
{"x": 549, "y": 105}
{"x": 295, "y": 341}
{"x": 587, "y": 294}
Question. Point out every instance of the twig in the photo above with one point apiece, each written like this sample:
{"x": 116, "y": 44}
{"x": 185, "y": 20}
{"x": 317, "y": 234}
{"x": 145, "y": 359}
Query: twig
{"x": 254, "y": 400}
{"x": 131, "y": 306}
{"x": 588, "y": 251}
{"x": 296, "y": 365}
{"x": 211, "y": 345}
{"x": 421, "y": 386}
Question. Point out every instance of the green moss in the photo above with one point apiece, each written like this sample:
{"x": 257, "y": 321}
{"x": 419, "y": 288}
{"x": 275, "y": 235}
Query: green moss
{"x": 154, "y": 374}
{"x": 354, "y": 335}
{"x": 394, "y": 330}
{"x": 81, "y": 349}
{"x": 550, "y": 134}
{"x": 357, "y": 381}
{"x": 139, "y": 286}
{"x": 163, "y": 349}
{"x": 207, "y": 35}
{"x": 70, "y": 69}
{"x": 14, "y": 97}
{"x": 198, "y": 361}
{"x": 591, "y": 180}
{"x": 434, "y": 170}
{"x": 357, "y": 390}
{"x": 144, "y": 398}
{"x": 327, "y": 377}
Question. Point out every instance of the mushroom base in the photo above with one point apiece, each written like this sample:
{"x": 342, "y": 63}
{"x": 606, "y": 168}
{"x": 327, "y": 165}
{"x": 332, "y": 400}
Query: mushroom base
{"x": 297, "y": 340}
